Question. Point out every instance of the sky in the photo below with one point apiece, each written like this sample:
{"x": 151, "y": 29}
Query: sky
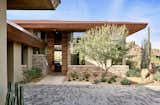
{"x": 103, "y": 10}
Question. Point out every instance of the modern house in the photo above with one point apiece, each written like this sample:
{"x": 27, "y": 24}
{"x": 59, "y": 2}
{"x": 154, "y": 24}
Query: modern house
{"x": 20, "y": 40}
{"x": 13, "y": 37}
{"x": 60, "y": 33}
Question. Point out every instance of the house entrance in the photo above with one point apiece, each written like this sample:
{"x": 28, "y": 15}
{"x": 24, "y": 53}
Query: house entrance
{"x": 57, "y": 58}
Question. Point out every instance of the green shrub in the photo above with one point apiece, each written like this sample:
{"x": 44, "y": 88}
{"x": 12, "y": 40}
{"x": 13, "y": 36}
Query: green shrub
{"x": 112, "y": 79}
{"x": 104, "y": 79}
{"x": 125, "y": 82}
{"x": 86, "y": 76}
{"x": 74, "y": 75}
{"x": 156, "y": 76}
{"x": 96, "y": 81}
{"x": 133, "y": 73}
{"x": 32, "y": 74}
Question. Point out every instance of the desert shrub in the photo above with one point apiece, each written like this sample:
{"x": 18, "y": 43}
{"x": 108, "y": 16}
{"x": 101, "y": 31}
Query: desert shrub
{"x": 32, "y": 74}
{"x": 156, "y": 76}
{"x": 96, "y": 81}
{"x": 86, "y": 76}
{"x": 125, "y": 82}
{"x": 74, "y": 75}
{"x": 103, "y": 77}
{"x": 133, "y": 73}
{"x": 112, "y": 79}
{"x": 131, "y": 64}
{"x": 95, "y": 74}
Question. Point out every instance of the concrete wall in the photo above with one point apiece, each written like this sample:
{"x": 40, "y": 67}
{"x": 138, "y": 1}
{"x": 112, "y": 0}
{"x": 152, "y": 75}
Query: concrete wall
{"x": 3, "y": 52}
{"x": 14, "y": 63}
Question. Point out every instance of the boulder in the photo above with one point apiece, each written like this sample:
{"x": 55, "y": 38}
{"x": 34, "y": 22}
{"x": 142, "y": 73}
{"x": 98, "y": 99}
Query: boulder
{"x": 144, "y": 73}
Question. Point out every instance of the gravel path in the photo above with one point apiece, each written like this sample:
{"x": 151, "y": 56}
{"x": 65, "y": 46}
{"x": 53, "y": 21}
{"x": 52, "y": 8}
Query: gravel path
{"x": 89, "y": 95}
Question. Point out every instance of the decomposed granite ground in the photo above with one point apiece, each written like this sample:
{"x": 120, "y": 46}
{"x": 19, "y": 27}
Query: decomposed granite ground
{"x": 89, "y": 95}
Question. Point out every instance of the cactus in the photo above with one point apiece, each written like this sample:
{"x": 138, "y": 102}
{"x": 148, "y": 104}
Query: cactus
{"x": 14, "y": 94}
{"x": 149, "y": 45}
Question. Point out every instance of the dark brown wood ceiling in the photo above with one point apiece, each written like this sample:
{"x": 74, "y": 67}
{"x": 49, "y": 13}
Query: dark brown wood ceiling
{"x": 76, "y": 26}
{"x": 18, "y": 34}
{"x": 32, "y": 4}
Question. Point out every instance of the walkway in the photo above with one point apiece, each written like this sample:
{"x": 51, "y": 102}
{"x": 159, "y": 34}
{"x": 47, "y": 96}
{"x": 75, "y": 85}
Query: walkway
{"x": 52, "y": 79}
{"x": 89, "y": 95}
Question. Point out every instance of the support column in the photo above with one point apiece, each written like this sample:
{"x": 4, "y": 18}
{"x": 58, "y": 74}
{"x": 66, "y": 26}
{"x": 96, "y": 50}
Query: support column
{"x": 30, "y": 54}
{"x": 3, "y": 52}
{"x": 64, "y": 52}
{"x": 17, "y": 60}
{"x": 50, "y": 42}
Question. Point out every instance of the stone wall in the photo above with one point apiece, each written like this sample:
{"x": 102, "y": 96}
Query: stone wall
{"x": 84, "y": 68}
{"x": 40, "y": 61}
{"x": 119, "y": 70}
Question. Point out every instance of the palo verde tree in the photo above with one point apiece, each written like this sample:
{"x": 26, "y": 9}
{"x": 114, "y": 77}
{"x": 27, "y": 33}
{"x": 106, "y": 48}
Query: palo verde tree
{"x": 103, "y": 43}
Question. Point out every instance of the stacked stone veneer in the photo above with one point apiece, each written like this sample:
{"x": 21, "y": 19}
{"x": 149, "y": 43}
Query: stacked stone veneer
{"x": 65, "y": 37}
{"x": 40, "y": 61}
{"x": 50, "y": 44}
{"x": 119, "y": 70}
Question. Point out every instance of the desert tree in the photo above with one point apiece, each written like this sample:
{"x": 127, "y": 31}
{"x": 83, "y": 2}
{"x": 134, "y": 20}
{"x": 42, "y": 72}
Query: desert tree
{"x": 103, "y": 43}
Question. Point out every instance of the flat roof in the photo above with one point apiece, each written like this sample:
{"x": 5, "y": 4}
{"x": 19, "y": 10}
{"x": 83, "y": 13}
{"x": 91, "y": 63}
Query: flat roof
{"x": 76, "y": 26}
{"x": 18, "y": 34}
{"x": 32, "y": 4}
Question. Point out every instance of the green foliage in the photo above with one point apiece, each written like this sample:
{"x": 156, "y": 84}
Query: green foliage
{"x": 96, "y": 81}
{"x": 103, "y": 43}
{"x": 103, "y": 77}
{"x": 86, "y": 76}
{"x": 14, "y": 94}
{"x": 133, "y": 72}
{"x": 145, "y": 55}
{"x": 74, "y": 75}
{"x": 125, "y": 82}
{"x": 156, "y": 76}
{"x": 131, "y": 64}
{"x": 112, "y": 79}
{"x": 32, "y": 74}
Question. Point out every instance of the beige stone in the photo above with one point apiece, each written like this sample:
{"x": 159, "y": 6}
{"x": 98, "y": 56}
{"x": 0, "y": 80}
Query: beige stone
{"x": 3, "y": 52}
{"x": 144, "y": 73}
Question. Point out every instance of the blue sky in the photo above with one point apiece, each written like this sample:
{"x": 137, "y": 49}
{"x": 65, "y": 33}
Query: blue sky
{"x": 106, "y": 10}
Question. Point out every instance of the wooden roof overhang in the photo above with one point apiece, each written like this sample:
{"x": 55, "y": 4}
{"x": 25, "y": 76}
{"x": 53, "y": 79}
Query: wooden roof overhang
{"x": 32, "y": 4}
{"x": 76, "y": 26}
{"x": 18, "y": 34}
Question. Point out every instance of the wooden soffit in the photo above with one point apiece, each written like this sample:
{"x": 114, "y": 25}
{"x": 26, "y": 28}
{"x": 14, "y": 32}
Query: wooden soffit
{"x": 18, "y": 34}
{"x": 32, "y": 4}
{"x": 76, "y": 26}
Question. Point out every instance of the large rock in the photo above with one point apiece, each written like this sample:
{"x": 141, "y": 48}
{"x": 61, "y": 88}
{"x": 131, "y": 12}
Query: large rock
{"x": 144, "y": 73}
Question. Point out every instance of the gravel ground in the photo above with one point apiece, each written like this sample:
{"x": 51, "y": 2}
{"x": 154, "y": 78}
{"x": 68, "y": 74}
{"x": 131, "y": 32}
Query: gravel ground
{"x": 89, "y": 95}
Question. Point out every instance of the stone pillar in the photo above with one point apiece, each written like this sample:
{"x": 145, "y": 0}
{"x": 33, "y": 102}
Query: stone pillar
{"x": 50, "y": 43}
{"x": 3, "y": 52}
{"x": 64, "y": 52}
{"x": 29, "y": 59}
